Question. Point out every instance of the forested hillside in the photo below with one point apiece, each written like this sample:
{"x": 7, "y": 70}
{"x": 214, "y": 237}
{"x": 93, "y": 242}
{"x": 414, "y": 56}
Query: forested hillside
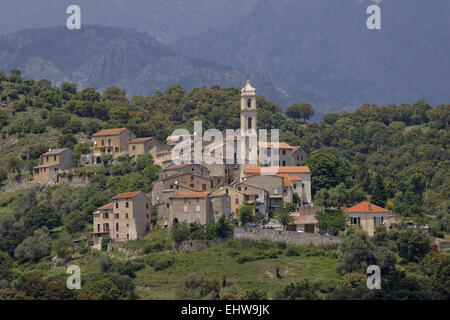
{"x": 395, "y": 155}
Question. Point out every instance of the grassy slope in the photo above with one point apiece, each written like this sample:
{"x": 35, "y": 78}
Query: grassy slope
{"x": 215, "y": 262}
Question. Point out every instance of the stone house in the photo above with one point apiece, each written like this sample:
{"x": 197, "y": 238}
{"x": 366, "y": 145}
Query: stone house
{"x": 111, "y": 141}
{"x": 127, "y": 217}
{"x": 296, "y": 178}
{"x": 53, "y": 162}
{"x": 368, "y": 216}
{"x": 198, "y": 207}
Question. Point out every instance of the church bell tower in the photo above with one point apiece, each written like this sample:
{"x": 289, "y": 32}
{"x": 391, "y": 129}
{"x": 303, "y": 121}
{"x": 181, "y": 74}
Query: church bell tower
{"x": 248, "y": 109}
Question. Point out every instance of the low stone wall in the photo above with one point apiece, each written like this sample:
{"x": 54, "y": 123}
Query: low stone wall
{"x": 291, "y": 237}
{"x": 194, "y": 245}
{"x": 444, "y": 245}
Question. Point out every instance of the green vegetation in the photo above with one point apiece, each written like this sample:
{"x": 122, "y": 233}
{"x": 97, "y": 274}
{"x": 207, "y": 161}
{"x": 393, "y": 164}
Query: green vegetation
{"x": 395, "y": 155}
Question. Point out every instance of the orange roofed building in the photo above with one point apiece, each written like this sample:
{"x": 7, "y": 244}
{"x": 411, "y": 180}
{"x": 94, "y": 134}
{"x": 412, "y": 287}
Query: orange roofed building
{"x": 127, "y": 217}
{"x": 368, "y": 216}
{"x": 296, "y": 179}
{"x": 111, "y": 141}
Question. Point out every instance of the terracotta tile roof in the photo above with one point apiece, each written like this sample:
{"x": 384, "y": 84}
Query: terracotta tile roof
{"x": 126, "y": 195}
{"x": 188, "y": 195}
{"x": 275, "y": 145}
{"x": 139, "y": 140}
{"x": 276, "y": 170}
{"x": 46, "y": 166}
{"x": 175, "y": 167}
{"x": 106, "y": 206}
{"x": 305, "y": 219}
{"x": 219, "y": 194}
{"x": 286, "y": 180}
{"x": 186, "y": 173}
{"x": 295, "y": 178}
{"x": 365, "y": 206}
{"x": 295, "y": 148}
{"x": 109, "y": 132}
{"x": 55, "y": 151}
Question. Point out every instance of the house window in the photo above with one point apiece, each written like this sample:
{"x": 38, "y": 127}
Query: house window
{"x": 185, "y": 208}
{"x": 146, "y": 205}
{"x": 134, "y": 147}
{"x": 204, "y": 187}
{"x": 275, "y": 191}
{"x": 106, "y": 227}
{"x": 197, "y": 208}
{"x": 249, "y": 124}
{"x": 103, "y": 142}
{"x": 128, "y": 236}
{"x": 126, "y": 215}
{"x": 378, "y": 221}
{"x": 117, "y": 205}
{"x": 295, "y": 186}
{"x": 284, "y": 152}
{"x": 126, "y": 204}
{"x": 117, "y": 226}
{"x": 98, "y": 227}
{"x": 237, "y": 200}
{"x": 54, "y": 158}
{"x": 116, "y": 149}
{"x": 105, "y": 216}
{"x": 116, "y": 216}
{"x": 355, "y": 221}
{"x": 167, "y": 205}
{"x": 284, "y": 163}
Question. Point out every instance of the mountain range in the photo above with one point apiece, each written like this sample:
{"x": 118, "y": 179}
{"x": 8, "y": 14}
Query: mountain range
{"x": 318, "y": 51}
{"x": 101, "y": 56}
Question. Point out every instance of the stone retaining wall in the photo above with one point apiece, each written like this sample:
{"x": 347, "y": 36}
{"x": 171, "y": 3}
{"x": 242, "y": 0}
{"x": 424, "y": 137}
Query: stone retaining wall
{"x": 291, "y": 237}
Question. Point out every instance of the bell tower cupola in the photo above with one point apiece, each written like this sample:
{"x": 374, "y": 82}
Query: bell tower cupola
{"x": 248, "y": 109}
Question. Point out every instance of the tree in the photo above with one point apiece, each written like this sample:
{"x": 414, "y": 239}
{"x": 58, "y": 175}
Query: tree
{"x": 67, "y": 141}
{"x": 356, "y": 252}
{"x": 412, "y": 245}
{"x": 300, "y": 111}
{"x": 180, "y": 231}
{"x": 378, "y": 192}
{"x": 106, "y": 159}
{"x": 35, "y": 247}
{"x": 105, "y": 289}
{"x": 352, "y": 286}
{"x": 58, "y": 119}
{"x": 303, "y": 290}
{"x": 327, "y": 170}
{"x": 246, "y": 214}
{"x": 332, "y": 220}
{"x": 330, "y": 118}
{"x": 283, "y": 214}
{"x": 75, "y": 221}
{"x": 14, "y": 164}
{"x": 220, "y": 229}
{"x": 43, "y": 215}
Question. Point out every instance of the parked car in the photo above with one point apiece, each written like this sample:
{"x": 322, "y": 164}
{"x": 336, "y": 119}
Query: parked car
{"x": 301, "y": 230}
{"x": 268, "y": 227}
{"x": 255, "y": 226}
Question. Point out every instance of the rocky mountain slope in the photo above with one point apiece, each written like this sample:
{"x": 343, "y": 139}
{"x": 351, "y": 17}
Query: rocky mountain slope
{"x": 102, "y": 56}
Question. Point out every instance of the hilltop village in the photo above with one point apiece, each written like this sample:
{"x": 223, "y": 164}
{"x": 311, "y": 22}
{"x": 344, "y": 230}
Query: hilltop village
{"x": 202, "y": 193}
